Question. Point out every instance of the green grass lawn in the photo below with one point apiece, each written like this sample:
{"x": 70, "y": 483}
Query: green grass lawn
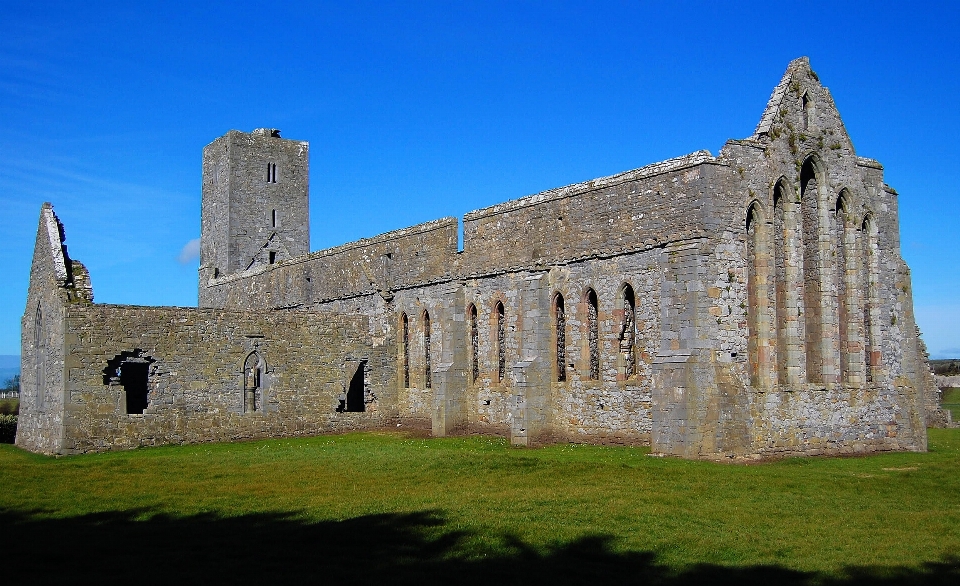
{"x": 377, "y": 507}
{"x": 950, "y": 399}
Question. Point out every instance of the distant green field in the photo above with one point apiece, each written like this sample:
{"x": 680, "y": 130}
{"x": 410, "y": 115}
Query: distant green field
{"x": 9, "y": 406}
{"x": 951, "y": 400}
{"x": 369, "y": 508}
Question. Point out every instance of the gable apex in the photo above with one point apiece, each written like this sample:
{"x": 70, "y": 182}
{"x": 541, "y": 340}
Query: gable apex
{"x": 776, "y": 98}
{"x": 52, "y": 239}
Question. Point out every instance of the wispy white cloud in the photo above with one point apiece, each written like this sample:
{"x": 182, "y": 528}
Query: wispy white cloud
{"x": 190, "y": 252}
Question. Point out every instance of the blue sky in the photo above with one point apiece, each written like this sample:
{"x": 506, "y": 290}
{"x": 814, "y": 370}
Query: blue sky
{"x": 421, "y": 110}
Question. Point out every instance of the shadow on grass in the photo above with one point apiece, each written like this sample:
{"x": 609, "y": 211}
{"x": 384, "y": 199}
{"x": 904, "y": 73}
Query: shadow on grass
{"x": 116, "y": 547}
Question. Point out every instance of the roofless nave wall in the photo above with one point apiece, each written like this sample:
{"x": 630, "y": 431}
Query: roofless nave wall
{"x": 745, "y": 305}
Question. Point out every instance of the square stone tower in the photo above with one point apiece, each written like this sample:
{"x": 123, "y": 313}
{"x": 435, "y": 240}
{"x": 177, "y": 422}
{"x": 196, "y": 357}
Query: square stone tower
{"x": 255, "y": 203}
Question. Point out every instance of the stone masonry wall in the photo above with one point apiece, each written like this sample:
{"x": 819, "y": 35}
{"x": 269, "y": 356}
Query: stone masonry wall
{"x": 419, "y": 254}
{"x": 196, "y": 376}
{"x": 56, "y": 284}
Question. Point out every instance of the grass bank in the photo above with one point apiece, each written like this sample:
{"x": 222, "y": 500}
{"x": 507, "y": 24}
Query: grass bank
{"x": 368, "y": 507}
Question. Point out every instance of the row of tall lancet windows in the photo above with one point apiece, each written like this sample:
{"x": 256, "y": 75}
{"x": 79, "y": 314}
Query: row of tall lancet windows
{"x": 626, "y": 334}
{"x": 627, "y": 364}
{"x": 812, "y": 288}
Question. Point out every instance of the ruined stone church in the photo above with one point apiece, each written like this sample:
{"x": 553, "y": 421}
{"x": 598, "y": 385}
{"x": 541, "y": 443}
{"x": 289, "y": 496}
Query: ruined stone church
{"x": 749, "y": 304}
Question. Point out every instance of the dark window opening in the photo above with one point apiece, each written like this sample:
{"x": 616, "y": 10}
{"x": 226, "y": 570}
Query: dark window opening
{"x": 273, "y": 218}
{"x": 405, "y": 324}
{"x": 806, "y": 111}
{"x": 273, "y": 256}
{"x": 593, "y": 334}
{"x": 133, "y": 377}
{"x": 561, "y": 324}
{"x": 356, "y": 395}
{"x": 501, "y": 343}
{"x": 426, "y": 350}
{"x": 271, "y": 172}
{"x": 474, "y": 344}
{"x": 131, "y": 370}
{"x": 628, "y": 333}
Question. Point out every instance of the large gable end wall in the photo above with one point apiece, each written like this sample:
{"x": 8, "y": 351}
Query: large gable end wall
{"x": 56, "y": 283}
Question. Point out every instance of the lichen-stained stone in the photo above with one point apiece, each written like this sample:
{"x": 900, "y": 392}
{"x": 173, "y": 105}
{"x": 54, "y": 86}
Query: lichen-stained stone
{"x": 746, "y": 305}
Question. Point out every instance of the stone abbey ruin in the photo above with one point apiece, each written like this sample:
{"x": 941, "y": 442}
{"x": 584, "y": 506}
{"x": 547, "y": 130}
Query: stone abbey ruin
{"x": 752, "y": 304}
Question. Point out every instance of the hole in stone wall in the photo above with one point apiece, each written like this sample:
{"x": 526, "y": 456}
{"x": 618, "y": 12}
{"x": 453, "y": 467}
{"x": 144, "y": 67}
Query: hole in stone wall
{"x": 133, "y": 377}
{"x": 273, "y": 257}
{"x": 273, "y": 218}
{"x": 356, "y": 394}
{"x": 131, "y": 370}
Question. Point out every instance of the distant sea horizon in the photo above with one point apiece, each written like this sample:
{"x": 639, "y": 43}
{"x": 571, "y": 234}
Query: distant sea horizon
{"x": 9, "y": 367}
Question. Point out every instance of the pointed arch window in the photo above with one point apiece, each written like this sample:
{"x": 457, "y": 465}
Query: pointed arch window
{"x": 759, "y": 341}
{"x": 628, "y": 333}
{"x": 501, "y": 342}
{"x": 593, "y": 333}
{"x": 811, "y": 179}
{"x": 560, "y": 323}
{"x": 844, "y": 237}
{"x": 870, "y": 278}
{"x": 253, "y": 369}
{"x": 405, "y": 349}
{"x": 427, "y": 382}
{"x": 806, "y": 111}
{"x": 474, "y": 343}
